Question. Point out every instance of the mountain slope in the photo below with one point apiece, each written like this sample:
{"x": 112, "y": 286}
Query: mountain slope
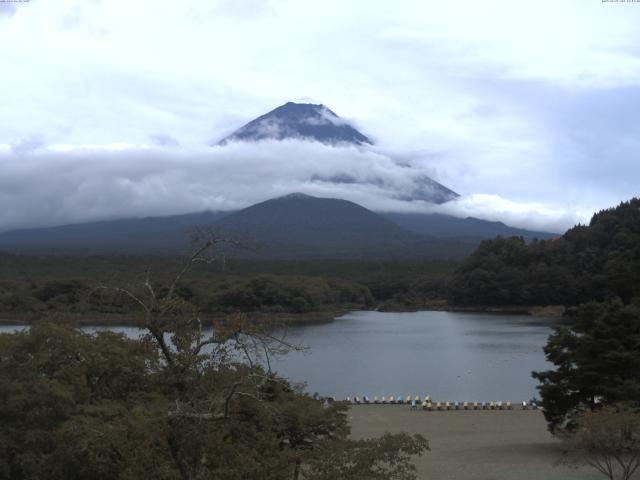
{"x": 302, "y": 121}
{"x": 447, "y": 226}
{"x": 134, "y": 235}
{"x": 302, "y": 224}
{"x": 296, "y": 225}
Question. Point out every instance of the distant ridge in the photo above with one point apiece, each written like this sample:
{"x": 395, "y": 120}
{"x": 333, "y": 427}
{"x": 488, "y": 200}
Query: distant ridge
{"x": 302, "y": 121}
{"x": 130, "y": 235}
{"x": 293, "y": 226}
{"x": 447, "y": 226}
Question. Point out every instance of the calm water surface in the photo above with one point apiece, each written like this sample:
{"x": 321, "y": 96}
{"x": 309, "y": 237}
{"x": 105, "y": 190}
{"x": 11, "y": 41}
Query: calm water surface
{"x": 448, "y": 355}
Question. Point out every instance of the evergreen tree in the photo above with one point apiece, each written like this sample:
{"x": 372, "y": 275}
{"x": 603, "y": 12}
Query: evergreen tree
{"x": 597, "y": 359}
{"x": 594, "y": 262}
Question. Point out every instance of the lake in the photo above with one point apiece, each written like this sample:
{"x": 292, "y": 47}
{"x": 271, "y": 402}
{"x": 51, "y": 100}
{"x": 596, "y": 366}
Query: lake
{"x": 451, "y": 356}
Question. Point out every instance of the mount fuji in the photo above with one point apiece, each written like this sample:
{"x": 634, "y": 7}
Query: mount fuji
{"x": 317, "y": 123}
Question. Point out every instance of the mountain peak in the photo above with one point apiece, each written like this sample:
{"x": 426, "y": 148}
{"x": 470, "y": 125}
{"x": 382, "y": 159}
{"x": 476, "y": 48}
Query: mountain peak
{"x": 293, "y": 106}
{"x": 296, "y": 196}
{"x": 302, "y": 121}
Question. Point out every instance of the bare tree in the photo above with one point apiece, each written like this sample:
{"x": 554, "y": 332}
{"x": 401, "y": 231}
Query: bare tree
{"x": 217, "y": 385}
{"x": 607, "y": 440}
{"x": 188, "y": 350}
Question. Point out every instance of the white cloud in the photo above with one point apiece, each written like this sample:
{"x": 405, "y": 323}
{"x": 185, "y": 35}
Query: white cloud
{"x": 164, "y": 140}
{"x": 535, "y": 102}
{"x": 62, "y": 185}
{"x": 530, "y": 215}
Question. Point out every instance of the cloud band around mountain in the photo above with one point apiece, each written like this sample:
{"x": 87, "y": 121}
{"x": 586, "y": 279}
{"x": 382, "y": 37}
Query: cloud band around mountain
{"x": 53, "y": 186}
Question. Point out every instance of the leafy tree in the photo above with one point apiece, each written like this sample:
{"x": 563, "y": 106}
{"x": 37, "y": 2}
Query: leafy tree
{"x": 56, "y": 382}
{"x": 608, "y": 440}
{"x": 70, "y": 291}
{"x": 180, "y": 403}
{"x": 384, "y": 458}
{"x": 597, "y": 359}
{"x": 594, "y": 262}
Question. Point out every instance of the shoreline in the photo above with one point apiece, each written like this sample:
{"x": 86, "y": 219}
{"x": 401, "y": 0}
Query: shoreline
{"x": 279, "y": 318}
{"x": 532, "y": 310}
{"x": 133, "y": 319}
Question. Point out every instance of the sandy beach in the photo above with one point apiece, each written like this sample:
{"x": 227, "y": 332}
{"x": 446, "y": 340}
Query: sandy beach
{"x": 473, "y": 445}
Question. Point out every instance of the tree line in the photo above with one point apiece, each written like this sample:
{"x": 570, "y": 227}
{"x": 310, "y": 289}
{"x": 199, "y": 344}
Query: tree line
{"x": 589, "y": 262}
{"x": 42, "y": 285}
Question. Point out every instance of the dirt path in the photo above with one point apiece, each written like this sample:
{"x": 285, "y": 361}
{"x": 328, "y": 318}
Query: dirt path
{"x": 474, "y": 445}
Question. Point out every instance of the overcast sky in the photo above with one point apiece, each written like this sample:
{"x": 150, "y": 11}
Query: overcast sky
{"x": 529, "y": 109}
